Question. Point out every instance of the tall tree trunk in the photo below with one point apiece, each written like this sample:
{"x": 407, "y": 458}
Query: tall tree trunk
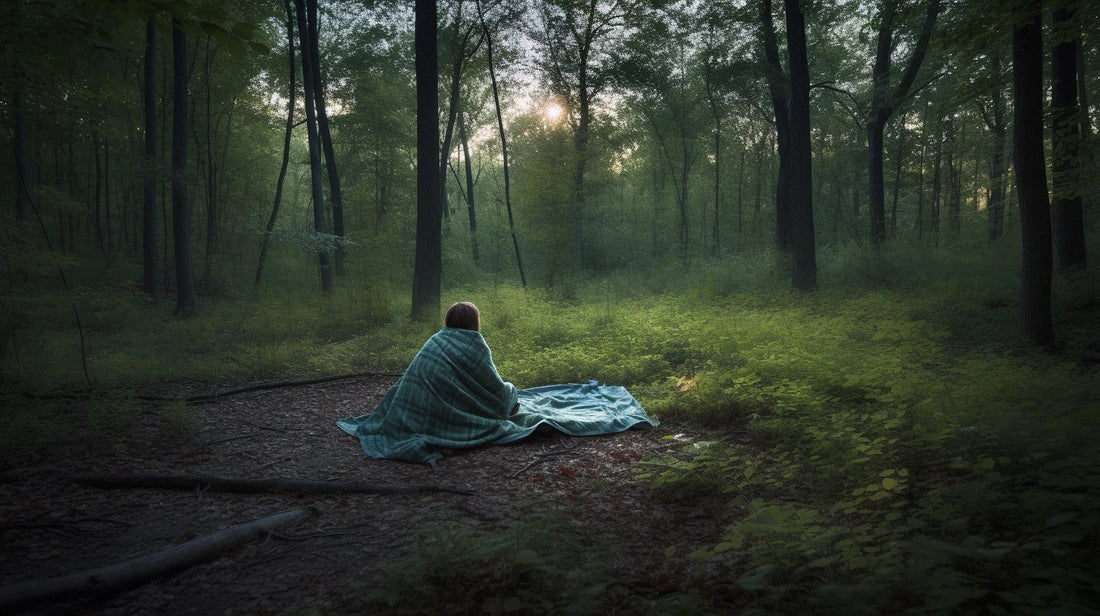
{"x": 503, "y": 141}
{"x": 1031, "y": 180}
{"x": 1066, "y": 207}
{"x": 317, "y": 183}
{"x": 148, "y": 179}
{"x": 997, "y": 124}
{"x": 778, "y": 86}
{"x": 335, "y": 192}
{"x": 287, "y": 134}
{"x": 181, "y": 210}
{"x": 884, "y": 102}
{"x": 427, "y": 271}
{"x": 469, "y": 165}
{"x": 804, "y": 276}
{"x": 22, "y": 161}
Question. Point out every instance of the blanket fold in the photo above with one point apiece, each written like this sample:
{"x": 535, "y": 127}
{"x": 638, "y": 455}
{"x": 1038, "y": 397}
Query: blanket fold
{"x": 452, "y": 397}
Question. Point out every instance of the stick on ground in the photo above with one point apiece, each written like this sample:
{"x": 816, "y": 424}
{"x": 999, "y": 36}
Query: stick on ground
{"x": 118, "y": 577}
{"x": 252, "y": 486}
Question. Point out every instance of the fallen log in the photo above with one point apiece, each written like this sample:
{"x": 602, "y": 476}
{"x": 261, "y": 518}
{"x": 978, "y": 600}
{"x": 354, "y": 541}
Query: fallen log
{"x": 252, "y": 486}
{"x": 118, "y": 577}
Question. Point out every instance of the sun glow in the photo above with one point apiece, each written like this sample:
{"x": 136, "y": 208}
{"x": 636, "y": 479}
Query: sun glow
{"x": 553, "y": 112}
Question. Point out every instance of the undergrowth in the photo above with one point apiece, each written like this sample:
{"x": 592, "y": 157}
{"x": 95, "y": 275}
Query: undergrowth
{"x": 902, "y": 450}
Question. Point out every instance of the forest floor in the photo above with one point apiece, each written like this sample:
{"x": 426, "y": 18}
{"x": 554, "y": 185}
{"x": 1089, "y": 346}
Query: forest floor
{"x": 51, "y": 525}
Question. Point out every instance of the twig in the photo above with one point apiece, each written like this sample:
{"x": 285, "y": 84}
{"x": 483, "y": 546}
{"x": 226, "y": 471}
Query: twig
{"x": 542, "y": 458}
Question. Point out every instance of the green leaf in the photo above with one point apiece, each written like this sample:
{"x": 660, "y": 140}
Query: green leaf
{"x": 890, "y": 483}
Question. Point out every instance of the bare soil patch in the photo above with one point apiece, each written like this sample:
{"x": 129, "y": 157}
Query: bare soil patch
{"x": 50, "y": 525}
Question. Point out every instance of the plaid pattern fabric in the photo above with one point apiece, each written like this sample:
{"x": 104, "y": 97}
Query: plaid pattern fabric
{"x": 451, "y": 397}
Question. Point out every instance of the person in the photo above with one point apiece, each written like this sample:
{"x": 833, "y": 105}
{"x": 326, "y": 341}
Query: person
{"x": 450, "y": 397}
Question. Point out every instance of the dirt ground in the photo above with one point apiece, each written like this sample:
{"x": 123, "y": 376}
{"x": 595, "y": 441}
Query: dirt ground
{"x": 50, "y": 525}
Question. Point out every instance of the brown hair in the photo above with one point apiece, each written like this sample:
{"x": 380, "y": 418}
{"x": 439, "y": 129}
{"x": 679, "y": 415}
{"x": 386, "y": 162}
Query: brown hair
{"x": 463, "y": 315}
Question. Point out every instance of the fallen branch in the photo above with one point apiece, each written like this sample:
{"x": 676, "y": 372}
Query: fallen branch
{"x": 252, "y": 486}
{"x": 115, "y": 578}
{"x": 217, "y": 395}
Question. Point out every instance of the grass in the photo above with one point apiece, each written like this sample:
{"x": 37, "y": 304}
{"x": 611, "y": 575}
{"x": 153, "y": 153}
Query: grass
{"x": 906, "y": 451}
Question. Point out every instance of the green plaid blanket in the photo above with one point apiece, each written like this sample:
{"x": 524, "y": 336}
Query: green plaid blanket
{"x": 451, "y": 397}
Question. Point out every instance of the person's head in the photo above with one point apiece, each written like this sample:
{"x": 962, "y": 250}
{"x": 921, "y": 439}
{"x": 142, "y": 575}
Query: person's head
{"x": 463, "y": 315}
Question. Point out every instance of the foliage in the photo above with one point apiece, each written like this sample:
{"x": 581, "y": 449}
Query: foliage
{"x": 539, "y": 563}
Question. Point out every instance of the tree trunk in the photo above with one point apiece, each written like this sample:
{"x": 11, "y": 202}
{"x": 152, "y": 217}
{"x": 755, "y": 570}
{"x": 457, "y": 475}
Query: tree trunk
{"x": 503, "y": 141}
{"x": 287, "y": 134}
{"x": 115, "y": 578}
{"x": 804, "y": 276}
{"x": 148, "y": 179}
{"x": 1031, "y": 181}
{"x": 469, "y": 165}
{"x": 997, "y": 165}
{"x": 884, "y": 101}
{"x": 778, "y": 85}
{"x": 1066, "y": 207}
{"x": 181, "y": 209}
{"x": 427, "y": 272}
{"x": 316, "y": 183}
{"x": 335, "y": 192}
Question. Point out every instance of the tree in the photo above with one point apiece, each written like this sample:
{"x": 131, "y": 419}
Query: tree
{"x": 427, "y": 272}
{"x": 287, "y": 134}
{"x": 804, "y": 275}
{"x": 148, "y": 180}
{"x": 335, "y": 191}
{"x": 885, "y": 100}
{"x": 181, "y": 208}
{"x": 779, "y": 88}
{"x": 1066, "y": 207}
{"x": 1031, "y": 179}
{"x": 316, "y": 181}
{"x": 576, "y": 37}
{"x": 488, "y": 33}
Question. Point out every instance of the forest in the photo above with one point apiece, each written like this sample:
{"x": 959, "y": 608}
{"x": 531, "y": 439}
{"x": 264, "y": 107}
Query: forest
{"x": 844, "y": 250}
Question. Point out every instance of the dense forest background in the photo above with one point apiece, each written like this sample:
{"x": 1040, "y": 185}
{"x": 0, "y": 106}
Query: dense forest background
{"x": 864, "y": 229}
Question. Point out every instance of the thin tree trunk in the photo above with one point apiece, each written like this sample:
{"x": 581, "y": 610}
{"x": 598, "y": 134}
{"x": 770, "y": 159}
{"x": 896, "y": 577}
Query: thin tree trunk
{"x": 148, "y": 180}
{"x": 503, "y": 142}
{"x": 316, "y": 181}
{"x": 336, "y": 193}
{"x": 287, "y": 134}
{"x": 1066, "y": 207}
{"x": 469, "y": 188}
{"x": 181, "y": 211}
{"x": 997, "y": 125}
{"x": 778, "y": 86}
{"x": 1031, "y": 180}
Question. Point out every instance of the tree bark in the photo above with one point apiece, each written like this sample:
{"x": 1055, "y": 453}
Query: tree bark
{"x": 804, "y": 275}
{"x": 1031, "y": 180}
{"x": 998, "y": 126}
{"x": 503, "y": 140}
{"x": 287, "y": 134}
{"x": 469, "y": 166}
{"x": 316, "y": 183}
{"x": 884, "y": 102}
{"x": 148, "y": 179}
{"x": 1066, "y": 207}
{"x": 427, "y": 271}
{"x": 335, "y": 191}
{"x": 779, "y": 87}
{"x": 181, "y": 209}
{"x": 115, "y": 578}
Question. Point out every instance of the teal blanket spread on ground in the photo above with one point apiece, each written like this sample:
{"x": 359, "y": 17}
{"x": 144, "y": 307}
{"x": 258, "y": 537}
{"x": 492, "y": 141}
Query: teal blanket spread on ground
{"x": 452, "y": 397}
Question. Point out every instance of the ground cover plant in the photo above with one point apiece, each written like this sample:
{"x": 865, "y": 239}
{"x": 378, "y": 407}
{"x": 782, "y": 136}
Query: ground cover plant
{"x": 875, "y": 449}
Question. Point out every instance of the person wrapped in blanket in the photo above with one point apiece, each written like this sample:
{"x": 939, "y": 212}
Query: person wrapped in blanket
{"x": 450, "y": 397}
